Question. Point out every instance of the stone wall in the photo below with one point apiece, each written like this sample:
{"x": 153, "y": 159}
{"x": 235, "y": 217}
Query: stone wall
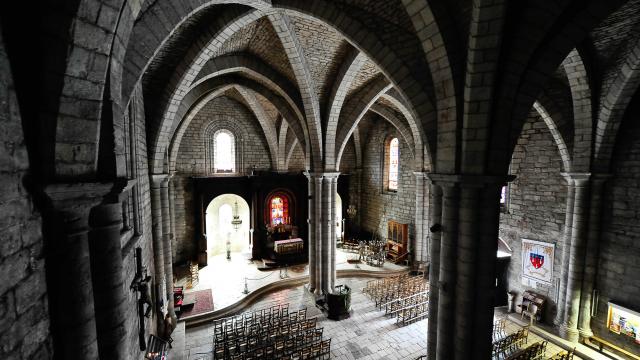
{"x": 619, "y": 269}
{"x": 379, "y": 205}
{"x": 24, "y": 315}
{"x": 537, "y": 202}
{"x": 225, "y": 112}
{"x": 144, "y": 241}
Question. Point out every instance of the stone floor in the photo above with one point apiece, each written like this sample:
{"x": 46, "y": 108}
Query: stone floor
{"x": 368, "y": 334}
{"x": 226, "y": 278}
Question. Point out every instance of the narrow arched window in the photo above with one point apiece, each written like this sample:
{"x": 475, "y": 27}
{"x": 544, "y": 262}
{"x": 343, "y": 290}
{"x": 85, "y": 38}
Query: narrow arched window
{"x": 394, "y": 163}
{"x": 225, "y": 215}
{"x": 279, "y": 210}
{"x": 224, "y": 152}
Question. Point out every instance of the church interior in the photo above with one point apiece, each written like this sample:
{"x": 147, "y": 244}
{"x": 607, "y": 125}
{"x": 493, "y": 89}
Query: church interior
{"x": 326, "y": 179}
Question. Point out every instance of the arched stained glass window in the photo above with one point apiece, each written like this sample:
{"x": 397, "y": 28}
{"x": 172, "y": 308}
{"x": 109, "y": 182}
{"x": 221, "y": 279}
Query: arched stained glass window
{"x": 394, "y": 159}
{"x": 224, "y": 153}
{"x": 279, "y": 210}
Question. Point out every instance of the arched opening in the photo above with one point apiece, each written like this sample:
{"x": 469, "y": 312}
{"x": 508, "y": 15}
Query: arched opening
{"x": 227, "y": 225}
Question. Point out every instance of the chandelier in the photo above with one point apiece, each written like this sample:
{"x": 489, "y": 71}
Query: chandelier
{"x": 236, "y": 222}
{"x": 351, "y": 211}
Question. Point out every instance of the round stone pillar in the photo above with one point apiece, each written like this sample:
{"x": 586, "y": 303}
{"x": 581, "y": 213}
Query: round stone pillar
{"x": 166, "y": 246}
{"x": 326, "y": 236}
{"x": 468, "y": 245}
{"x": 69, "y": 268}
{"x": 447, "y": 273}
{"x": 318, "y": 231}
{"x": 311, "y": 286}
{"x": 566, "y": 249}
{"x": 158, "y": 246}
{"x": 434, "y": 269}
{"x": 108, "y": 280}
{"x": 592, "y": 253}
{"x": 575, "y": 272}
{"x": 333, "y": 236}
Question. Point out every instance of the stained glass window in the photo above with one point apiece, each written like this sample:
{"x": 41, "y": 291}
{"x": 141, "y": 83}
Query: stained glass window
{"x": 224, "y": 151}
{"x": 279, "y": 210}
{"x": 394, "y": 159}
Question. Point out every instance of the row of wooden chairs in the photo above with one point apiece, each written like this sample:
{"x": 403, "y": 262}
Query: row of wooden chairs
{"x": 499, "y": 329}
{"x": 224, "y": 330}
{"x": 270, "y": 333}
{"x": 564, "y": 355}
{"x": 249, "y": 345}
{"x": 387, "y": 292}
{"x": 405, "y": 297}
{"x": 413, "y": 313}
{"x": 395, "y": 305}
{"x": 261, "y": 316}
{"x": 511, "y": 343}
{"x": 267, "y": 334}
{"x": 535, "y": 351}
{"x": 319, "y": 350}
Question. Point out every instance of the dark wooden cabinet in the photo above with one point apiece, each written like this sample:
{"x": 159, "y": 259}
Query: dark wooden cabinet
{"x": 397, "y": 239}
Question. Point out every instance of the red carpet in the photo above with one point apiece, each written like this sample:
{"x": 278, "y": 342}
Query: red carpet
{"x": 204, "y": 303}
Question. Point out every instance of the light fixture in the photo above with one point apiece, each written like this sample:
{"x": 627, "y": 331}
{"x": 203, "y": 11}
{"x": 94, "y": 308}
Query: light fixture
{"x": 236, "y": 222}
{"x": 351, "y": 211}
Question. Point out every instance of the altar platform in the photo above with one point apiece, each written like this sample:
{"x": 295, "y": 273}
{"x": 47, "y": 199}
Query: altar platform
{"x": 226, "y": 279}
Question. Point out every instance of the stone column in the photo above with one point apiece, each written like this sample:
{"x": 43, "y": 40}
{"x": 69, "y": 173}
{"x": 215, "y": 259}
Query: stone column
{"x": 317, "y": 266}
{"x": 311, "y": 229}
{"x": 418, "y": 249}
{"x": 325, "y": 254}
{"x": 566, "y": 249}
{"x": 592, "y": 253}
{"x": 470, "y": 223}
{"x": 434, "y": 270}
{"x": 72, "y": 298}
{"x": 575, "y": 272}
{"x": 322, "y": 231}
{"x": 447, "y": 273}
{"x": 333, "y": 236}
{"x": 158, "y": 244}
{"x": 108, "y": 280}
{"x": 485, "y": 240}
{"x": 166, "y": 244}
{"x": 172, "y": 207}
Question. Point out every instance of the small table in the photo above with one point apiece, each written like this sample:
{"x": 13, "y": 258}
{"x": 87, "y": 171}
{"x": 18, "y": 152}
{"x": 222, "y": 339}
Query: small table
{"x": 188, "y": 301}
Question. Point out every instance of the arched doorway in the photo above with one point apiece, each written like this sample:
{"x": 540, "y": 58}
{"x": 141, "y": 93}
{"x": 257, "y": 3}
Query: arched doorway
{"x": 219, "y": 228}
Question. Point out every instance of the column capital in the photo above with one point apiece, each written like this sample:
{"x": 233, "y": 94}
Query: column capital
{"x": 160, "y": 180}
{"x": 576, "y": 178}
{"x": 469, "y": 180}
{"x": 311, "y": 175}
{"x": 421, "y": 174}
{"x": 77, "y": 196}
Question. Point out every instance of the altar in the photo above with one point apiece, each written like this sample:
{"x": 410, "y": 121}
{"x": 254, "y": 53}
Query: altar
{"x": 288, "y": 246}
